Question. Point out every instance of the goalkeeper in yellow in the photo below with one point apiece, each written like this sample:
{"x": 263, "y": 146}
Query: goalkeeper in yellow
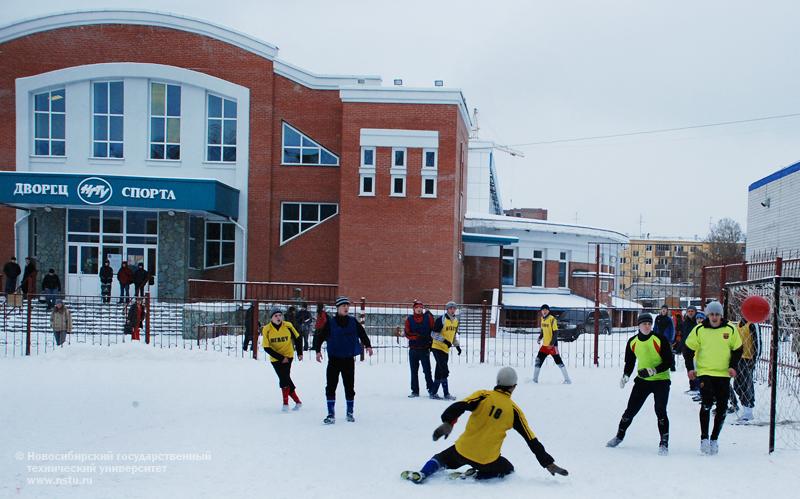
{"x": 493, "y": 414}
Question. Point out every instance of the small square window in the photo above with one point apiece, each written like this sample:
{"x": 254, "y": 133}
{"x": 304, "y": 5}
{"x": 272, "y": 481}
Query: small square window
{"x": 429, "y": 187}
{"x": 429, "y": 158}
{"x": 367, "y": 185}
{"x": 399, "y": 157}
{"x": 367, "y": 156}
{"x": 398, "y": 185}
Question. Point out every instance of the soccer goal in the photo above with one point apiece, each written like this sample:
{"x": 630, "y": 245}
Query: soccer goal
{"x": 776, "y": 374}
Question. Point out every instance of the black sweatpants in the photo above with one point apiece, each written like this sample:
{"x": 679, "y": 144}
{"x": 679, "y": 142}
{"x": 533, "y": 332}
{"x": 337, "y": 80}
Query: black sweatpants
{"x": 541, "y": 356}
{"x": 283, "y": 371}
{"x": 743, "y": 382}
{"x": 713, "y": 389}
{"x": 346, "y": 366}
{"x": 442, "y": 371}
{"x": 451, "y": 459}
{"x": 641, "y": 390}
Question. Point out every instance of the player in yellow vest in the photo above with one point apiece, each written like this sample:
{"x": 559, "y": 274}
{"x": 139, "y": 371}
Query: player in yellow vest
{"x": 444, "y": 336}
{"x": 712, "y": 353}
{"x": 493, "y": 414}
{"x": 743, "y": 382}
{"x": 281, "y": 340}
{"x": 549, "y": 341}
{"x": 652, "y": 355}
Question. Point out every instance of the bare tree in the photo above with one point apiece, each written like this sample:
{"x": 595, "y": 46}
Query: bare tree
{"x": 725, "y": 243}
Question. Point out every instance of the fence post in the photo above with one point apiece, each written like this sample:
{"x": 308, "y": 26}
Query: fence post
{"x": 28, "y": 328}
{"x": 254, "y": 329}
{"x": 597, "y": 305}
{"x": 703, "y": 287}
{"x": 362, "y": 318}
{"x": 773, "y": 354}
{"x": 723, "y": 277}
{"x": 147, "y": 318}
{"x": 483, "y": 331}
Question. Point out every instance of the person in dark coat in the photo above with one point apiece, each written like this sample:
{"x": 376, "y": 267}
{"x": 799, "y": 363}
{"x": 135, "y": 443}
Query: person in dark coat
{"x": 304, "y": 323}
{"x": 689, "y": 323}
{"x": 106, "y": 278}
{"x": 125, "y": 278}
{"x": 418, "y": 329}
{"x": 135, "y": 319}
{"x": 29, "y": 277}
{"x": 140, "y": 278}
{"x": 248, "y": 327}
{"x": 12, "y": 271}
{"x": 51, "y": 287}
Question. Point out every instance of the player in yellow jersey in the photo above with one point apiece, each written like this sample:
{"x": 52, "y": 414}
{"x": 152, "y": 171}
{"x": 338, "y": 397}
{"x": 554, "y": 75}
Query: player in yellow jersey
{"x": 444, "y": 336}
{"x": 493, "y": 414}
{"x": 281, "y": 340}
{"x": 549, "y": 341}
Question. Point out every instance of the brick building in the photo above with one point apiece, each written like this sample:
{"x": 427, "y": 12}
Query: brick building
{"x": 194, "y": 150}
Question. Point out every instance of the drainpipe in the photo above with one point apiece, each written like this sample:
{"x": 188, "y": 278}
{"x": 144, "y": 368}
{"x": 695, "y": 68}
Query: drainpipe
{"x": 16, "y": 230}
{"x": 244, "y": 252}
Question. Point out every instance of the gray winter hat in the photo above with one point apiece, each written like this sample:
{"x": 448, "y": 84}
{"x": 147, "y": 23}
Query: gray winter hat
{"x": 506, "y": 376}
{"x": 714, "y": 307}
{"x": 274, "y": 310}
{"x": 644, "y": 317}
{"x": 691, "y": 307}
{"x": 342, "y": 300}
{"x": 451, "y": 304}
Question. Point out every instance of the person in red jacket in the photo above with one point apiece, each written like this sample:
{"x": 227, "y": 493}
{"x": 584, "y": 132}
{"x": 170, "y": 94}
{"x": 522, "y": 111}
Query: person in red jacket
{"x": 125, "y": 278}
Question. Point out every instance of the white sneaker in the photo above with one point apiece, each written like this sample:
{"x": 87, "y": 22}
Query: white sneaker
{"x": 285, "y": 408}
{"x": 747, "y": 415}
{"x": 705, "y": 446}
{"x": 297, "y": 406}
{"x": 713, "y": 448}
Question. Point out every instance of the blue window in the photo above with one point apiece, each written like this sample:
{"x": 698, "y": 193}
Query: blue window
{"x": 107, "y": 119}
{"x": 221, "y": 134}
{"x": 49, "y": 123}
{"x": 165, "y": 121}
{"x": 299, "y": 149}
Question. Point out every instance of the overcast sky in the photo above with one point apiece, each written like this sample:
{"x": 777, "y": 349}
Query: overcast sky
{"x": 550, "y": 70}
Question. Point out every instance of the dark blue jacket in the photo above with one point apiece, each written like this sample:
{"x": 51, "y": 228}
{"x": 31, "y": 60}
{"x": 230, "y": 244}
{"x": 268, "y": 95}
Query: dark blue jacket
{"x": 419, "y": 333}
{"x": 345, "y": 337}
{"x": 665, "y": 327}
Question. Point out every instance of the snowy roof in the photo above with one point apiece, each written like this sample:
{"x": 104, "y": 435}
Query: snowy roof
{"x": 474, "y": 220}
{"x": 584, "y": 273}
{"x": 617, "y": 302}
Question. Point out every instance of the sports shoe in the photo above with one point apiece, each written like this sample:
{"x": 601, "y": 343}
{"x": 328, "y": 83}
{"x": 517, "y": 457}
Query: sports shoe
{"x": 350, "y": 418}
{"x": 713, "y": 448}
{"x": 696, "y": 398}
{"x": 435, "y": 396}
{"x": 413, "y": 476}
{"x": 747, "y": 415}
{"x": 297, "y": 406}
{"x": 614, "y": 442}
{"x": 567, "y": 381}
{"x": 663, "y": 449}
{"x": 329, "y": 419}
{"x": 413, "y": 395}
{"x": 705, "y": 446}
{"x": 285, "y": 408}
{"x": 449, "y": 397}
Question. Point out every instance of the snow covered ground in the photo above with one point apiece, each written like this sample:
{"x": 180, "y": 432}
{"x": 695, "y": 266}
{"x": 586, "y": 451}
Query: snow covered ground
{"x": 138, "y": 410}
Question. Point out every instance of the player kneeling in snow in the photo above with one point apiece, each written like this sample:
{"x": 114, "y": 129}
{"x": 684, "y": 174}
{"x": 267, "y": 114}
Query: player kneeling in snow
{"x": 653, "y": 353}
{"x": 493, "y": 414}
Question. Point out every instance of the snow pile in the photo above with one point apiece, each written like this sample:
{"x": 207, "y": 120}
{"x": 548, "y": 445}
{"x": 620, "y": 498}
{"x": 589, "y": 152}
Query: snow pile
{"x": 180, "y": 423}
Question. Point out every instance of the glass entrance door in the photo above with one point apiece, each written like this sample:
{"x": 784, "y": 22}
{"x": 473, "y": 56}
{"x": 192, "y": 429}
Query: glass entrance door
{"x": 82, "y": 269}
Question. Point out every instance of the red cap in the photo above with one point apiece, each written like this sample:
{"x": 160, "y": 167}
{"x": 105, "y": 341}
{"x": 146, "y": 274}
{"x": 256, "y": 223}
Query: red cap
{"x": 417, "y": 302}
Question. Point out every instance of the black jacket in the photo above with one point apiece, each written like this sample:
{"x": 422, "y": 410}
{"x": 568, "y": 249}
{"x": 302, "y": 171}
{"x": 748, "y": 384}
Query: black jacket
{"x": 140, "y": 277}
{"x": 12, "y": 270}
{"x": 29, "y": 269}
{"x": 106, "y": 274}
{"x": 51, "y": 281}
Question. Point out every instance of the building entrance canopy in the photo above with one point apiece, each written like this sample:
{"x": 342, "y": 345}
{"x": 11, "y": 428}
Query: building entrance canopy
{"x": 30, "y": 189}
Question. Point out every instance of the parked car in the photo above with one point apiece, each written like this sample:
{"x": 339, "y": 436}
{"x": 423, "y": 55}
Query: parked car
{"x": 575, "y": 322}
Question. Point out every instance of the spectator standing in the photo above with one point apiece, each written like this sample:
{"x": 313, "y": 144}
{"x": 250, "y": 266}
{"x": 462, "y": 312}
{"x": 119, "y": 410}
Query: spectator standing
{"x": 51, "y": 287}
{"x": 140, "y": 278}
{"x": 125, "y": 278}
{"x": 61, "y": 322}
{"x": 12, "y": 271}
{"x": 304, "y": 322}
{"x": 29, "y": 277}
{"x": 106, "y": 279}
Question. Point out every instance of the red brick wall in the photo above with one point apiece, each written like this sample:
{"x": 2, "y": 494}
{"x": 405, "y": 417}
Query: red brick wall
{"x": 551, "y": 273}
{"x": 524, "y": 273}
{"x": 480, "y": 273}
{"x": 584, "y": 286}
{"x": 408, "y": 246}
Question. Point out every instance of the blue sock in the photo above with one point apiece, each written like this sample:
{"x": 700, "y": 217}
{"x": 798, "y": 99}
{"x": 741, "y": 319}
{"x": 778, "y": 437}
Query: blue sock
{"x": 331, "y": 407}
{"x": 431, "y": 467}
{"x": 445, "y": 387}
{"x": 350, "y": 404}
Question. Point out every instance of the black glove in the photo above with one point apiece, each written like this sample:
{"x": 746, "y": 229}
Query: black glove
{"x": 458, "y": 349}
{"x": 554, "y": 469}
{"x": 443, "y": 430}
{"x": 646, "y": 373}
{"x": 447, "y": 343}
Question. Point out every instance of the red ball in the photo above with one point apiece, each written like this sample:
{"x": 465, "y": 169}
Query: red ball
{"x": 755, "y": 309}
